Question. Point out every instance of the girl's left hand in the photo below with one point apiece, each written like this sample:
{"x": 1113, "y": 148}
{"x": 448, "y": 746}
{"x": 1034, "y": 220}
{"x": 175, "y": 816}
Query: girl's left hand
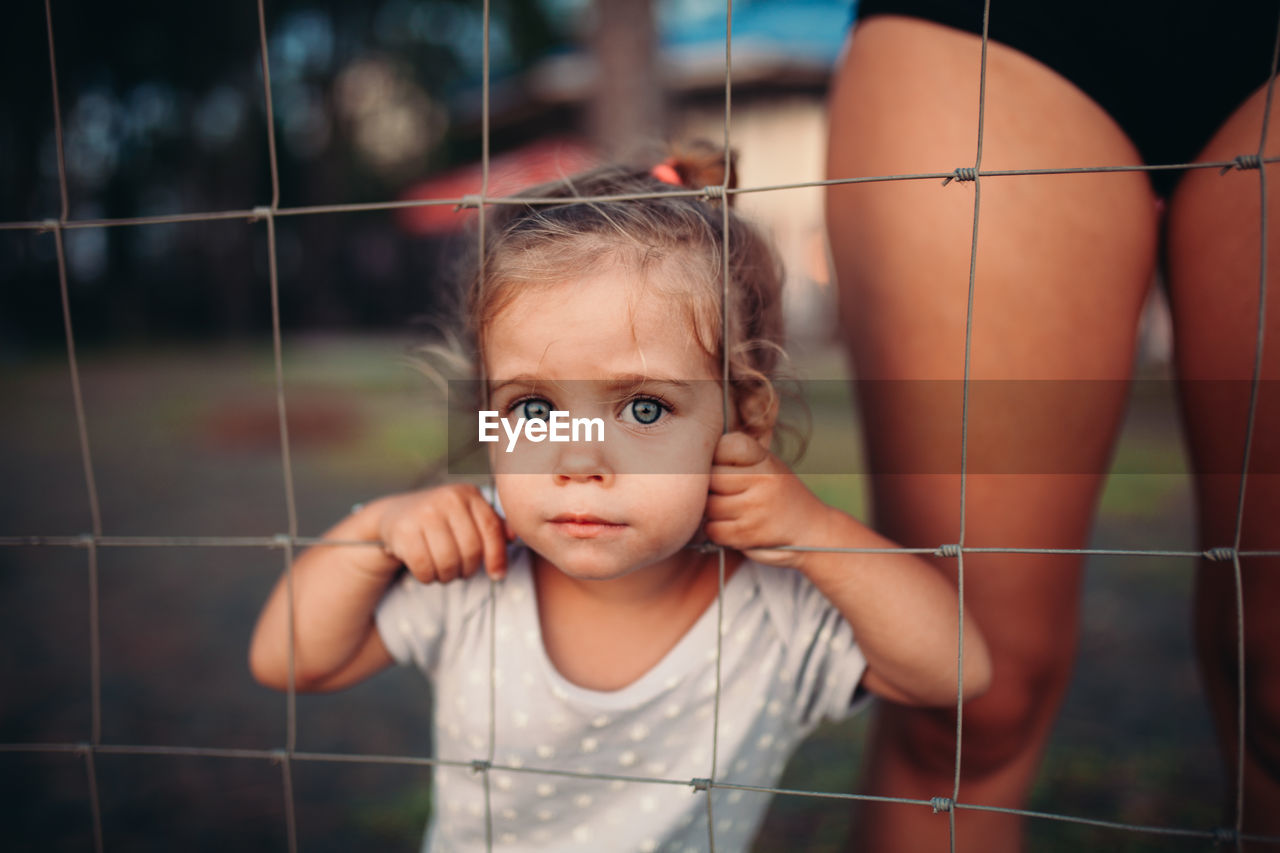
{"x": 756, "y": 504}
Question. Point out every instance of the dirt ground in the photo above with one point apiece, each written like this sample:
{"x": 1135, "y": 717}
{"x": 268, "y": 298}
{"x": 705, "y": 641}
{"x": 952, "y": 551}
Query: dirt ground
{"x": 185, "y": 443}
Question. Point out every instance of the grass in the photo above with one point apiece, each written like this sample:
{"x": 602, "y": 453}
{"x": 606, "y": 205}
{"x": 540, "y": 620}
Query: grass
{"x": 394, "y": 819}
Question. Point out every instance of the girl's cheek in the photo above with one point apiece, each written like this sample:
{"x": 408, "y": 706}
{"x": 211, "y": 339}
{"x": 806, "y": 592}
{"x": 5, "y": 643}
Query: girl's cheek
{"x": 511, "y": 499}
{"x": 696, "y": 491}
{"x": 697, "y": 507}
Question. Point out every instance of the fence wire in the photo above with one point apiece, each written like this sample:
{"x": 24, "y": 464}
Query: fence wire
{"x": 289, "y": 541}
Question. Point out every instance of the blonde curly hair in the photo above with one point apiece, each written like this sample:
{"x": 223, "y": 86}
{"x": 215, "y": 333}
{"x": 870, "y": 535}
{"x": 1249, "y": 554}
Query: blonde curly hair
{"x": 591, "y": 221}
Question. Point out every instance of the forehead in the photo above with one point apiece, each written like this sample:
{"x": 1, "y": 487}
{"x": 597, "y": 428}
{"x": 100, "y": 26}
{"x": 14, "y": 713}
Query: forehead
{"x": 605, "y": 324}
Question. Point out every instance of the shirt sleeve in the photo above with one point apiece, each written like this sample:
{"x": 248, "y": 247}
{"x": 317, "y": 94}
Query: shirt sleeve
{"x": 410, "y": 619}
{"x": 423, "y": 623}
{"x": 823, "y": 661}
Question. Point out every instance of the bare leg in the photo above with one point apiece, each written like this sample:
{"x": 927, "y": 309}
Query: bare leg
{"x": 1063, "y": 266}
{"x": 1214, "y": 275}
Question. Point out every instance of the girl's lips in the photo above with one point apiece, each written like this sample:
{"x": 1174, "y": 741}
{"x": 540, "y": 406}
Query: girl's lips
{"x": 584, "y": 526}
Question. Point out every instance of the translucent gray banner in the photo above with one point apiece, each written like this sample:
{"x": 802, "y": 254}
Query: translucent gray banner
{"x": 1015, "y": 427}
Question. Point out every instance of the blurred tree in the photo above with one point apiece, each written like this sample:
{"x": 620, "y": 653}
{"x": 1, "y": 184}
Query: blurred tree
{"x": 627, "y": 106}
{"x": 163, "y": 112}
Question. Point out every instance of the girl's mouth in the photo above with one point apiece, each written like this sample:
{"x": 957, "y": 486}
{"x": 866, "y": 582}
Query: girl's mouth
{"x": 584, "y": 526}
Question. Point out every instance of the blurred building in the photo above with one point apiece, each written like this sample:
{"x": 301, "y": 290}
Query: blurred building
{"x": 782, "y": 55}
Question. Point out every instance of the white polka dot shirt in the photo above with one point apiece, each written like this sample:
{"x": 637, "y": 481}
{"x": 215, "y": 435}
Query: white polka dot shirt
{"x": 788, "y": 661}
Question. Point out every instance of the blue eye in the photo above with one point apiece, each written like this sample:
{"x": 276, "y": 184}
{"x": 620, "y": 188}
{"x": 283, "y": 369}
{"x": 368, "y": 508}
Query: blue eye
{"x": 536, "y": 409}
{"x": 646, "y": 411}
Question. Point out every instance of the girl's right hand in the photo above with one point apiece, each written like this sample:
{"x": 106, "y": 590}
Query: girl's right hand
{"x": 444, "y": 533}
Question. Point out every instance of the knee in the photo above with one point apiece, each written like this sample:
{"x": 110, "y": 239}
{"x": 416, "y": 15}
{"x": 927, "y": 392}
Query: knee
{"x": 1005, "y": 725}
{"x": 1262, "y": 725}
{"x": 1217, "y": 644}
{"x": 1012, "y": 724}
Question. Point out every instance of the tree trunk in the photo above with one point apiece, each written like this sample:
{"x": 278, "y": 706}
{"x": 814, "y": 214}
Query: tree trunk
{"x": 627, "y": 108}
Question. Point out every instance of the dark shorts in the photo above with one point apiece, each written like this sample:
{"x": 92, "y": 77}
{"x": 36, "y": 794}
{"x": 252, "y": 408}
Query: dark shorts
{"x": 1169, "y": 72}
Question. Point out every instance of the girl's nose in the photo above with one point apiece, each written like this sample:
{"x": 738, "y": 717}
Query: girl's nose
{"x": 581, "y": 462}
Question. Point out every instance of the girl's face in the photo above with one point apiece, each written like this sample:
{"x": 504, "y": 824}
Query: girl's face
{"x": 607, "y": 347}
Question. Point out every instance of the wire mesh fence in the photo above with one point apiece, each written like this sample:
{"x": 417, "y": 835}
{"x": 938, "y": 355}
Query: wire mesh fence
{"x": 288, "y": 755}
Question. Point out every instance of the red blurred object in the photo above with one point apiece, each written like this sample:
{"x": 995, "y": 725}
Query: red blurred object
{"x": 509, "y": 173}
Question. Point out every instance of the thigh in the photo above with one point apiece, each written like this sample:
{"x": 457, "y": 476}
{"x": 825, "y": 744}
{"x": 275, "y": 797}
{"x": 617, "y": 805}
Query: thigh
{"x": 1215, "y": 265}
{"x": 1063, "y": 263}
{"x": 1216, "y": 275}
{"x": 1063, "y": 260}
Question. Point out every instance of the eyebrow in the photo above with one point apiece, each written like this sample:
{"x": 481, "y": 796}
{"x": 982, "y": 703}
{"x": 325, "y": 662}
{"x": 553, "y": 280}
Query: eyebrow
{"x": 625, "y": 381}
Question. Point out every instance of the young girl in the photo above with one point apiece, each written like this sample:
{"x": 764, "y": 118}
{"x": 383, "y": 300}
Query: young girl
{"x": 603, "y": 616}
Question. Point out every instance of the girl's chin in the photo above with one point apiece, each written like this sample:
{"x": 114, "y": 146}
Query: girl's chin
{"x": 593, "y": 571}
{"x": 581, "y": 567}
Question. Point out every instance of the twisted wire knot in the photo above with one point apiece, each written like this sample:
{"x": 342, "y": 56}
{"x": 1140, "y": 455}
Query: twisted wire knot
{"x": 480, "y": 765}
{"x": 713, "y": 192}
{"x": 1224, "y": 835}
{"x": 1244, "y": 161}
{"x": 1220, "y": 554}
{"x": 947, "y": 551}
{"x": 700, "y": 784}
{"x": 963, "y": 173}
{"x": 469, "y": 202}
{"x": 941, "y": 804}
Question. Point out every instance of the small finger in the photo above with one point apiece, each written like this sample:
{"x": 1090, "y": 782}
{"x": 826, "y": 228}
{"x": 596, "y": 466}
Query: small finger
{"x": 404, "y": 543}
{"x": 729, "y": 481}
{"x": 416, "y": 558}
{"x": 493, "y": 536}
{"x": 470, "y": 544}
{"x": 723, "y": 507}
{"x": 726, "y": 533}
{"x": 444, "y": 553}
{"x": 466, "y": 533}
{"x": 739, "y": 450}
